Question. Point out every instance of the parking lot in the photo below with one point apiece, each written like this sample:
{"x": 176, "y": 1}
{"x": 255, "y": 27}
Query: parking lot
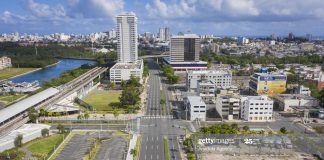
{"x": 112, "y": 147}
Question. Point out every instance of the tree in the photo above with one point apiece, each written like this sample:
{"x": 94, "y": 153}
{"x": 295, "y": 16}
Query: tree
{"x": 130, "y": 96}
{"x": 60, "y": 128}
{"x": 116, "y": 113}
{"x": 45, "y": 132}
{"x": 111, "y": 84}
{"x": 234, "y": 126}
{"x": 321, "y": 98}
{"x": 18, "y": 140}
{"x": 246, "y": 128}
{"x": 123, "y": 83}
{"x": 133, "y": 152}
{"x": 42, "y": 112}
{"x": 261, "y": 132}
{"x": 283, "y": 130}
{"x": 146, "y": 71}
{"x": 162, "y": 101}
{"x": 292, "y": 78}
{"x": 270, "y": 132}
{"x": 86, "y": 115}
{"x": 33, "y": 115}
{"x": 134, "y": 81}
{"x": 80, "y": 117}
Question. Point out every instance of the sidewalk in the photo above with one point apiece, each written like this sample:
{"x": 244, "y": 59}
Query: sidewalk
{"x": 132, "y": 144}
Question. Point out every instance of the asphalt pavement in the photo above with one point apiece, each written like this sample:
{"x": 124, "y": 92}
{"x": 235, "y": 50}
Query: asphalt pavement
{"x": 155, "y": 126}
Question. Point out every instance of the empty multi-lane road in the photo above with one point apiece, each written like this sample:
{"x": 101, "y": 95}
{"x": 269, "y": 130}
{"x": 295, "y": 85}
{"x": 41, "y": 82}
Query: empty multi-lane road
{"x": 155, "y": 126}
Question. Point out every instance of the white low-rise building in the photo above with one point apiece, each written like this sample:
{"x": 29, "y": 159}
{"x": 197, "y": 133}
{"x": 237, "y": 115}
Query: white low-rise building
{"x": 221, "y": 78}
{"x": 291, "y": 102}
{"x": 196, "y": 108}
{"x": 5, "y": 62}
{"x": 228, "y": 107}
{"x": 206, "y": 90}
{"x": 303, "y": 90}
{"x": 256, "y": 108}
{"x": 123, "y": 71}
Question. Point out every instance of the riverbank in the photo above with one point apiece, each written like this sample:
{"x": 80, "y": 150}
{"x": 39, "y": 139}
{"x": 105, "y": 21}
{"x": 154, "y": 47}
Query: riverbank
{"x": 9, "y": 73}
{"x": 12, "y": 75}
{"x": 78, "y": 58}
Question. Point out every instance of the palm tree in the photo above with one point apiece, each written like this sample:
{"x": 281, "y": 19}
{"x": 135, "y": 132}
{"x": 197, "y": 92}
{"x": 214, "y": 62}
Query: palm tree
{"x": 116, "y": 113}
{"x": 86, "y": 115}
{"x": 270, "y": 132}
{"x": 80, "y": 117}
{"x": 111, "y": 85}
{"x": 51, "y": 115}
{"x": 18, "y": 140}
{"x": 261, "y": 132}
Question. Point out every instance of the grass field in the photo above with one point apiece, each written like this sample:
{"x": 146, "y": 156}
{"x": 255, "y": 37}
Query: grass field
{"x": 101, "y": 100}
{"x": 10, "y": 98}
{"x": 166, "y": 148}
{"x": 10, "y": 72}
{"x": 43, "y": 147}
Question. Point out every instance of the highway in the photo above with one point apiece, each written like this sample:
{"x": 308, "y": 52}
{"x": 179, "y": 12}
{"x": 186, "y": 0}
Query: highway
{"x": 65, "y": 90}
{"x": 155, "y": 126}
{"x": 73, "y": 86}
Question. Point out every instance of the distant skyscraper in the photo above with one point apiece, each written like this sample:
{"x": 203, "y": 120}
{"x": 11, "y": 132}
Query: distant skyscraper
{"x": 291, "y": 36}
{"x": 112, "y": 34}
{"x": 127, "y": 38}
{"x": 242, "y": 40}
{"x": 185, "y": 48}
{"x": 273, "y": 36}
{"x": 309, "y": 37}
{"x": 164, "y": 34}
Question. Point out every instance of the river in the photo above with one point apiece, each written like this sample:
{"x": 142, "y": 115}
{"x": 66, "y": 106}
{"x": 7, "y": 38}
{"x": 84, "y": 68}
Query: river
{"x": 53, "y": 71}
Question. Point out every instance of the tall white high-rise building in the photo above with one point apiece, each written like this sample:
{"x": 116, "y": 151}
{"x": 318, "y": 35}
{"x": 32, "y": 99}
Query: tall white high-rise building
{"x": 127, "y": 38}
{"x": 164, "y": 34}
{"x": 128, "y": 64}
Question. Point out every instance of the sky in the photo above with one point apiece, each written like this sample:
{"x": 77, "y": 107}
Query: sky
{"x": 218, "y": 17}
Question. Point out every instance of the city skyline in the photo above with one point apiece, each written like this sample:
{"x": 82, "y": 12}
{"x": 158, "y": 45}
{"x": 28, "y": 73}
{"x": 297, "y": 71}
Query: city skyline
{"x": 218, "y": 17}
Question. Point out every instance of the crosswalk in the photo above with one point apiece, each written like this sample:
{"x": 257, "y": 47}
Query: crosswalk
{"x": 158, "y": 117}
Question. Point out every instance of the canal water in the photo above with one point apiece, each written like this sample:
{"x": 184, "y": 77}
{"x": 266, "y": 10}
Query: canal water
{"x": 53, "y": 71}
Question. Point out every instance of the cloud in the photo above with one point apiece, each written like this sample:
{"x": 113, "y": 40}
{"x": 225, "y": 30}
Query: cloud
{"x": 95, "y": 8}
{"x": 236, "y": 10}
{"x": 45, "y": 11}
{"x": 159, "y": 8}
{"x": 9, "y": 18}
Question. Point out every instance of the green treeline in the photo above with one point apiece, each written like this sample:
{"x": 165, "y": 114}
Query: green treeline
{"x": 249, "y": 59}
{"x": 25, "y": 56}
{"x": 67, "y": 76}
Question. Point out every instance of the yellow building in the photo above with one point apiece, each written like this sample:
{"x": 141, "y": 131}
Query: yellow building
{"x": 269, "y": 84}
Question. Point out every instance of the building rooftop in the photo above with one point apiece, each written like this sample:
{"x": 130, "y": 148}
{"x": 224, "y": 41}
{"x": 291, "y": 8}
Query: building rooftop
{"x": 262, "y": 97}
{"x": 26, "y": 103}
{"x": 186, "y": 36}
{"x": 206, "y": 82}
{"x": 136, "y": 65}
{"x": 295, "y": 97}
{"x": 267, "y": 74}
{"x": 196, "y": 101}
{"x": 209, "y": 72}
